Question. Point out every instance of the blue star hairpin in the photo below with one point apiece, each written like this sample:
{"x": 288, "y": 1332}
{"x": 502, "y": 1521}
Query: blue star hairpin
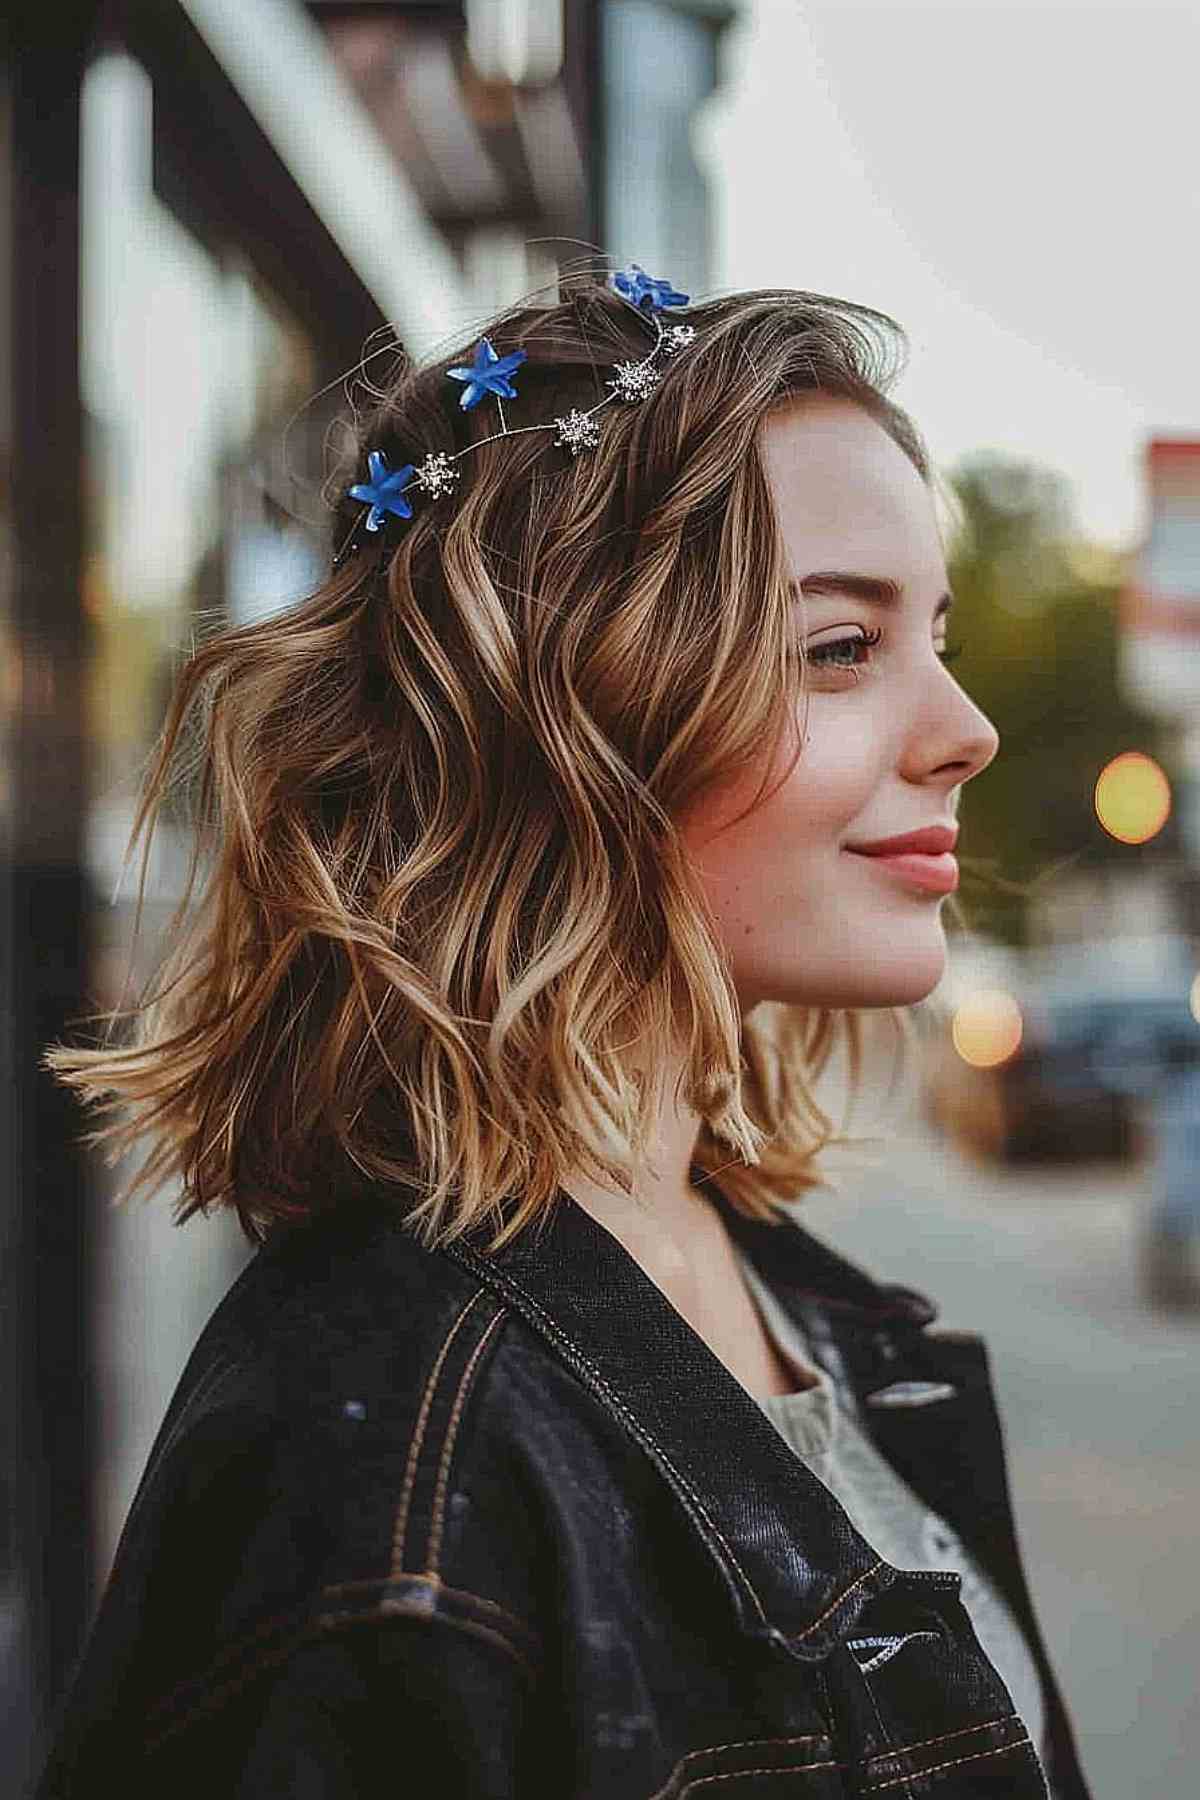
{"x": 385, "y": 490}
{"x": 638, "y": 288}
{"x": 488, "y": 374}
{"x": 491, "y": 373}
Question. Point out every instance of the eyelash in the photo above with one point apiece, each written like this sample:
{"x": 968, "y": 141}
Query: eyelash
{"x": 817, "y": 654}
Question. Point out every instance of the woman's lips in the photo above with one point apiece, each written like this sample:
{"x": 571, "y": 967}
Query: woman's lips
{"x": 935, "y": 874}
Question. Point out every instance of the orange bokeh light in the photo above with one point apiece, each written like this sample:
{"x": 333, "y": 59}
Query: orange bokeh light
{"x": 986, "y": 1028}
{"x": 1132, "y": 798}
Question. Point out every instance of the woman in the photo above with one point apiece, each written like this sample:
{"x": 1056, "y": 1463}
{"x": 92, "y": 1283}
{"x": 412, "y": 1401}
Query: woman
{"x": 540, "y": 1451}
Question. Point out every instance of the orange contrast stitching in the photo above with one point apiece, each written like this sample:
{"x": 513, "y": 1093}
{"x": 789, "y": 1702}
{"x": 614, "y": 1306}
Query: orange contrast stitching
{"x": 865, "y": 1576}
{"x": 738, "y": 1774}
{"x": 215, "y": 1697}
{"x": 410, "y": 1473}
{"x": 439, "y": 1498}
{"x": 281, "y": 1621}
{"x": 812, "y": 1737}
{"x": 433, "y": 1581}
{"x": 945, "y": 1737}
{"x": 919, "y": 1774}
{"x": 395, "y": 1609}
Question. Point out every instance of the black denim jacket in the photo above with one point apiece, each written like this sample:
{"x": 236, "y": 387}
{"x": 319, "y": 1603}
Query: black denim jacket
{"x": 441, "y": 1523}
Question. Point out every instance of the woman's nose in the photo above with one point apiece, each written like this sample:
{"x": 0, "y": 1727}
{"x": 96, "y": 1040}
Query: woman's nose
{"x": 954, "y": 733}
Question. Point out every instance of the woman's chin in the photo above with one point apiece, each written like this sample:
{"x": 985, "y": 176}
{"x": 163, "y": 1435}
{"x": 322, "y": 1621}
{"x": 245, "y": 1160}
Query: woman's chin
{"x": 876, "y": 984}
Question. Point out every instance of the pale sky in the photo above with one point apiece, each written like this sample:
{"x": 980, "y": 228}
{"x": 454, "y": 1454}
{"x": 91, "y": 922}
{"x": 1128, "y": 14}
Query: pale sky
{"x": 1014, "y": 183}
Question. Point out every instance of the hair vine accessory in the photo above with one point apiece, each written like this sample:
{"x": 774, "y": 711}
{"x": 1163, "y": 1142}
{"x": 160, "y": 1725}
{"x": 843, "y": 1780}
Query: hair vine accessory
{"x": 490, "y": 373}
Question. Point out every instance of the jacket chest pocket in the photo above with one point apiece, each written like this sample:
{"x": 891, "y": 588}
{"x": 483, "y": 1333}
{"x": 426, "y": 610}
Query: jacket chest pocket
{"x": 924, "y": 1708}
{"x": 803, "y": 1767}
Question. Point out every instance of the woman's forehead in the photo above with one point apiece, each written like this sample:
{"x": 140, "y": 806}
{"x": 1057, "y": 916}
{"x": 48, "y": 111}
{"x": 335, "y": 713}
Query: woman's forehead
{"x": 843, "y": 488}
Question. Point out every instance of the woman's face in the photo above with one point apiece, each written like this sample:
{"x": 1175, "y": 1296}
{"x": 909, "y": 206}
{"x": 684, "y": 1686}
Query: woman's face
{"x": 891, "y": 737}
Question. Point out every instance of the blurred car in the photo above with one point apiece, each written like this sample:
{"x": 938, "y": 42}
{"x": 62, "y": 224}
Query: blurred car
{"x": 1084, "y": 1034}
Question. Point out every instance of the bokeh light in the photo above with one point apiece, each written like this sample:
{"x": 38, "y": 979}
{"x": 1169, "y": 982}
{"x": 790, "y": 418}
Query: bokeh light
{"x": 1133, "y": 798}
{"x": 986, "y": 1027}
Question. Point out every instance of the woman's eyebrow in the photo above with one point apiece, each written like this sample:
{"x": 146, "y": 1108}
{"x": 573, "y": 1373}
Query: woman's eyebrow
{"x": 876, "y": 590}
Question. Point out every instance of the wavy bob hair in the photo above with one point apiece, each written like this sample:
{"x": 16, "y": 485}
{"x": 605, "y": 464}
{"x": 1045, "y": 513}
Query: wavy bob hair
{"x": 445, "y": 897}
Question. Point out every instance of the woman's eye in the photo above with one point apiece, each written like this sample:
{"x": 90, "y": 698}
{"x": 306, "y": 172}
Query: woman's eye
{"x": 826, "y": 656}
{"x": 830, "y": 655}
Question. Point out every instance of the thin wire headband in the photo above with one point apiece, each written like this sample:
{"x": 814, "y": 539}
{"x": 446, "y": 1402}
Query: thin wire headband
{"x": 386, "y": 491}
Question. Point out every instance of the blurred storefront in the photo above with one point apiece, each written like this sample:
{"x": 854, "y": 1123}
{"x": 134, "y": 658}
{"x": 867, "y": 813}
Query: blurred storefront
{"x": 1160, "y": 643}
{"x": 211, "y": 211}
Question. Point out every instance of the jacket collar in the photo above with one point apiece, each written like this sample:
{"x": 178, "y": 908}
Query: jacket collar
{"x": 740, "y": 1487}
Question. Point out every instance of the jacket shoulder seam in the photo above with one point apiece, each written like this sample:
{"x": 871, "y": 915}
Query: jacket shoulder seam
{"x": 475, "y": 1339}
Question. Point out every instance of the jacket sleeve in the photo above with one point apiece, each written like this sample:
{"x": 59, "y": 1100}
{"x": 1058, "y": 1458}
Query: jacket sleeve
{"x": 387, "y": 1707}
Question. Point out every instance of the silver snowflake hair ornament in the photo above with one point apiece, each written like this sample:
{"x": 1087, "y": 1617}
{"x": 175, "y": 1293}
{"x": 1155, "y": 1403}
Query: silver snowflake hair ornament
{"x": 386, "y": 493}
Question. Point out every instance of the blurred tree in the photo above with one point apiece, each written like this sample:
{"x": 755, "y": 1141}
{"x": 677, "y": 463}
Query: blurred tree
{"x": 1036, "y": 612}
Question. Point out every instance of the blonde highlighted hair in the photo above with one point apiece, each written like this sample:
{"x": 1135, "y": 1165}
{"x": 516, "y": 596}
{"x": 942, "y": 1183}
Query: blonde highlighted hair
{"x": 447, "y": 920}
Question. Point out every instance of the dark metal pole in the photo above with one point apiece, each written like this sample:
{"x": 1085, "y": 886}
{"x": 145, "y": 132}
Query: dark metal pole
{"x": 48, "y": 1386}
{"x": 582, "y": 77}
